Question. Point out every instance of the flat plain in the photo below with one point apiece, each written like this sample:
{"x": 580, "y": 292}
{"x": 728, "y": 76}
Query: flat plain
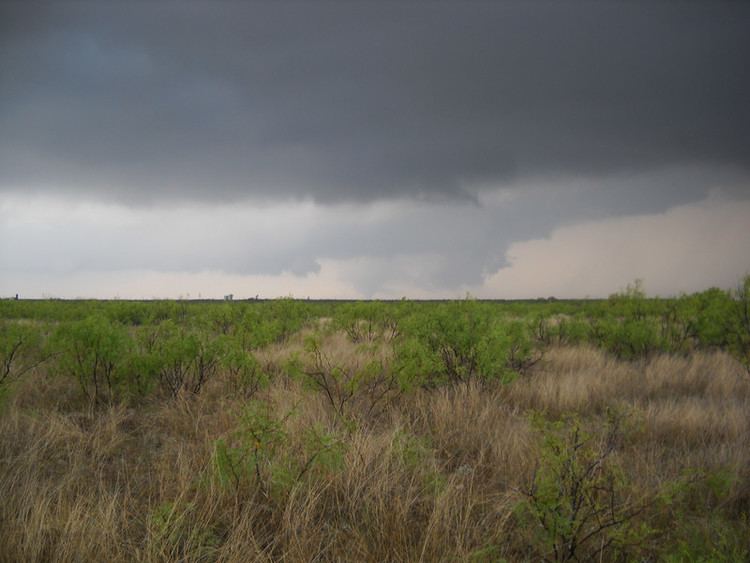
{"x": 287, "y": 430}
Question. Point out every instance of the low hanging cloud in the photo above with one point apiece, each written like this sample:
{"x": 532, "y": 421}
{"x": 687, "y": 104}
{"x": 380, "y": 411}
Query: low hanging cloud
{"x": 161, "y": 103}
{"x": 94, "y": 250}
{"x": 688, "y": 248}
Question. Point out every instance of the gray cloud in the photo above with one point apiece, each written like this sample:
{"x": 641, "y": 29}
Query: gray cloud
{"x": 361, "y": 102}
{"x": 438, "y": 246}
{"x": 65, "y": 250}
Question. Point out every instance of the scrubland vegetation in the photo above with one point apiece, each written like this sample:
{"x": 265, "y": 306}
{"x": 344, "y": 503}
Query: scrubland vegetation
{"x": 612, "y": 430}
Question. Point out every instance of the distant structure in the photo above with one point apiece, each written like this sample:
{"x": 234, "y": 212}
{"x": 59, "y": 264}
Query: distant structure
{"x": 16, "y": 297}
{"x": 229, "y": 297}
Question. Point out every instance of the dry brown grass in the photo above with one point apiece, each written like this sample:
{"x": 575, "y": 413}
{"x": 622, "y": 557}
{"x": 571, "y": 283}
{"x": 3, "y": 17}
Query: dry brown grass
{"x": 435, "y": 478}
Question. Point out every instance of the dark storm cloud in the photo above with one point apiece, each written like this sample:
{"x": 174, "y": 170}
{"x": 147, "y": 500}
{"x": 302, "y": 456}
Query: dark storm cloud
{"x": 358, "y": 102}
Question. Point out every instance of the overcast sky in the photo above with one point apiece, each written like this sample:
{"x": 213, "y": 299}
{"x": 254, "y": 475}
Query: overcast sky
{"x": 373, "y": 150}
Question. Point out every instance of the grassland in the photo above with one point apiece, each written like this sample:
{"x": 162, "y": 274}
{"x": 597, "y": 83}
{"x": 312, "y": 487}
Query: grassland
{"x": 615, "y": 430}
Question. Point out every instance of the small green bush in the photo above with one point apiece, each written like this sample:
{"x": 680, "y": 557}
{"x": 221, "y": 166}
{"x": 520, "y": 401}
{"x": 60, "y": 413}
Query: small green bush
{"x": 94, "y": 351}
{"x": 20, "y": 349}
{"x": 464, "y": 341}
{"x": 576, "y": 506}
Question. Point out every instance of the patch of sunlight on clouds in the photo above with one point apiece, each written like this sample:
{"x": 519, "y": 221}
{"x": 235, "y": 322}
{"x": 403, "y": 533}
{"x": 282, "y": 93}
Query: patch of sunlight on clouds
{"x": 687, "y": 248}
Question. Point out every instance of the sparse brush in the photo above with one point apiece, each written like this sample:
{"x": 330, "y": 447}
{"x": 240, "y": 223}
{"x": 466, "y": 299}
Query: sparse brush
{"x": 278, "y": 438}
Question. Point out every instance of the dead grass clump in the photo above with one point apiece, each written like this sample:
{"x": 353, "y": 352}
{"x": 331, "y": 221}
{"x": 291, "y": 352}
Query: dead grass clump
{"x": 573, "y": 379}
{"x": 472, "y": 427}
{"x": 586, "y": 380}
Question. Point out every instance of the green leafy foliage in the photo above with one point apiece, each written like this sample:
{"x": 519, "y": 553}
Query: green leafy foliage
{"x": 324, "y": 452}
{"x": 712, "y": 540}
{"x": 366, "y": 321}
{"x": 185, "y": 358}
{"x": 739, "y": 331}
{"x": 258, "y": 455}
{"x": 464, "y": 341}
{"x": 20, "y": 349}
{"x": 94, "y": 351}
{"x": 243, "y": 371}
{"x": 576, "y": 505}
{"x": 250, "y": 454}
{"x": 180, "y": 345}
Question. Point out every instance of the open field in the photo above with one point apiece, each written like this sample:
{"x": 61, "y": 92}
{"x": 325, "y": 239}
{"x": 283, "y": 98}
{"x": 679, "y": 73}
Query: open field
{"x": 615, "y": 430}
{"x": 506, "y": 165}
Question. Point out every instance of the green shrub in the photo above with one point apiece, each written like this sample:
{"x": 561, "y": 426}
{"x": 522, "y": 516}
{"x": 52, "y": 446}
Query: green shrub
{"x": 185, "y": 358}
{"x": 576, "y": 506}
{"x": 252, "y": 448}
{"x": 94, "y": 351}
{"x": 709, "y": 540}
{"x": 243, "y": 371}
{"x": 259, "y": 453}
{"x": 572, "y": 332}
{"x": 366, "y": 321}
{"x": 739, "y": 331}
{"x": 464, "y": 341}
{"x": 20, "y": 349}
